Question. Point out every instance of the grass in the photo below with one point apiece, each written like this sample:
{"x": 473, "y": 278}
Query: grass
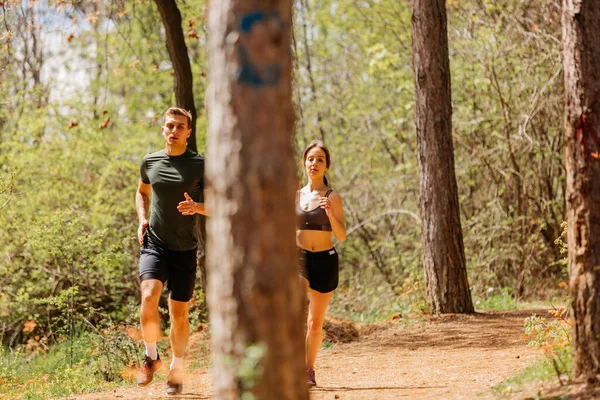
{"x": 380, "y": 303}
{"x": 101, "y": 360}
{"x": 326, "y": 344}
{"x": 496, "y": 299}
{"x": 49, "y": 375}
{"x": 554, "y": 338}
{"x": 411, "y": 303}
{"x": 98, "y": 359}
{"x": 541, "y": 371}
{"x": 502, "y": 300}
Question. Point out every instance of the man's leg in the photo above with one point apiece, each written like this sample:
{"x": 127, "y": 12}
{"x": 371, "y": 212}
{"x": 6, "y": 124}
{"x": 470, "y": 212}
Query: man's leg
{"x": 179, "y": 334}
{"x": 150, "y": 324}
{"x": 181, "y": 280}
{"x": 180, "y": 326}
{"x": 149, "y": 317}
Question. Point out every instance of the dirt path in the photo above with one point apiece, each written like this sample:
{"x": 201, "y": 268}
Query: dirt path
{"x": 451, "y": 357}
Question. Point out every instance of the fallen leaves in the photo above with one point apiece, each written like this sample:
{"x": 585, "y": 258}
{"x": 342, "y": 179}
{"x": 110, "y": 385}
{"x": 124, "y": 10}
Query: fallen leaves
{"x": 104, "y": 124}
{"x": 29, "y": 326}
{"x": 133, "y": 333}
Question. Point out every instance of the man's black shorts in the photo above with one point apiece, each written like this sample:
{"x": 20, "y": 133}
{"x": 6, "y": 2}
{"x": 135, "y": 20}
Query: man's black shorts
{"x": 176, "y": 268}
{"x": 321, "y": 269}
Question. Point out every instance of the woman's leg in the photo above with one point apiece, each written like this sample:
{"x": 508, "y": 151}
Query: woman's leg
{"x": 316, "y": 316}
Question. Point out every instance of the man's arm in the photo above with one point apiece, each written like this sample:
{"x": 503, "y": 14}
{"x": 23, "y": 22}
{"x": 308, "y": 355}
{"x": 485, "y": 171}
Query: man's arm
{"x": 190, "y": 207}
{"x": 142, "y": 207}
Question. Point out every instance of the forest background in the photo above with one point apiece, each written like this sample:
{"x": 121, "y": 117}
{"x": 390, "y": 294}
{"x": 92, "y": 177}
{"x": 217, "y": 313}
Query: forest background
{"x": 83, "y": 86}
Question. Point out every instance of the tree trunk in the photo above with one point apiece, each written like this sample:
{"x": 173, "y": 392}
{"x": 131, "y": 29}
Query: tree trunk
{"x": 183, "y": 83}
{"x": 581, "y": 24}
{"x": 443, "y": 251}
{"x": 254, "y": 295}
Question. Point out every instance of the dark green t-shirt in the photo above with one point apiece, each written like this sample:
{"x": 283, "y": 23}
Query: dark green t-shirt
{"x": 171, "y": 177}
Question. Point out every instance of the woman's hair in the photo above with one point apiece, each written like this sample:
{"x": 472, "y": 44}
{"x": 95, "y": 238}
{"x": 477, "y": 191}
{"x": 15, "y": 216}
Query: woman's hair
{"x": 321, "y": 145}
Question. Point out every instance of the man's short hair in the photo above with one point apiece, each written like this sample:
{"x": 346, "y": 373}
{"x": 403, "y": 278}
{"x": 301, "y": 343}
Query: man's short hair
{"x": 179, "y": 111}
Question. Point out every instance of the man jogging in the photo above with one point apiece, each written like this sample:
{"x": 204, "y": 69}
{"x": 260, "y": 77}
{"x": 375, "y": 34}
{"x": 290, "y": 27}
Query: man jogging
{"x": 170, "y": 191}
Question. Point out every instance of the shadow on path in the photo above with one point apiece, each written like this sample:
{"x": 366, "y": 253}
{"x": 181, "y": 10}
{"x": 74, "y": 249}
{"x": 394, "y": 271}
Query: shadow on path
{"x": 349, "y": 389}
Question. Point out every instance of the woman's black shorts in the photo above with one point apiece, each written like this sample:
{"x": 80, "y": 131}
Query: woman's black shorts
{"x": 177, "y": 268}
{"x": 321, "y": 269}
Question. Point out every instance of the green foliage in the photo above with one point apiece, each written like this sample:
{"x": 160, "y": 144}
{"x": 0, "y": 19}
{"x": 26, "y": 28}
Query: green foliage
{"x": 69, "y": 166}
{"x": 541, "y": 371}
{"x": 49, "y": 375}
{"x": 70, "y": 147}
{"x": 507, "y": 98}
{"x": 248, "y": 368}
{"x": 71, "y": 140}
{"x": 507, "y": 104}
{"x": 361, "y": 106}
{"x": 496, "y": 300}
{"x": 554, "y": 338}
{"x": 326, "y": 345}
{"x": 59, "y": 232}
{"x": 562, "y": 244}
{"x": 114, "y": 345}
{"x": 198, "y": 309}
{"x": 87, "y": 360}
{"x": 376, "y": 302}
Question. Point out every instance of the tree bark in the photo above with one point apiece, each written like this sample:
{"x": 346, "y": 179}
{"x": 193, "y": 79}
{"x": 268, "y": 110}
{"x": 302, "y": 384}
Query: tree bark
{"x": 443, "y": 251}
{"x": 313, "y": 88}
{"x": 183, "y": 82}
{"x": 581, "y": 62}
{"x": 254, "y": 295}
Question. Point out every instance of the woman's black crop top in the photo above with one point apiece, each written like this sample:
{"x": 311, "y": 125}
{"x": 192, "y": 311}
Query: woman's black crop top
{"x": 315, "y": 219}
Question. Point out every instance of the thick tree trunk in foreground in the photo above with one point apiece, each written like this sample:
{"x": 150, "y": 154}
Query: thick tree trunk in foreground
{"x": 183, "y": 83}
{"x": 443, "y": 252}
{"x": 254, "y": 296}
{"x": 581, "y": 41}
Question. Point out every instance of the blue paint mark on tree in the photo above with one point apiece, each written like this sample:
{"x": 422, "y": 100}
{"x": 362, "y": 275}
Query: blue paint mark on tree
{"x": 257, "y": 75}
{"x": 258, "y": 16}
{"x": 250, "y": 72}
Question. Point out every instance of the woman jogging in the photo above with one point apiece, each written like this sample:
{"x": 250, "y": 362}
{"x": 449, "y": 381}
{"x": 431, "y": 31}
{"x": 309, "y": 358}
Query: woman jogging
{"x": 319, "y": 213}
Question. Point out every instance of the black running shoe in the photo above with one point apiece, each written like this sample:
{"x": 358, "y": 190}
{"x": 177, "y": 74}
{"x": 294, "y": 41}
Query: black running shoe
{"x": 175, "y": 382}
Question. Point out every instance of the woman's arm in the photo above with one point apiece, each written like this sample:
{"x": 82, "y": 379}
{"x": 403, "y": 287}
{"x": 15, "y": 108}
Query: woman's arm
{"x": 335, "y": 211}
